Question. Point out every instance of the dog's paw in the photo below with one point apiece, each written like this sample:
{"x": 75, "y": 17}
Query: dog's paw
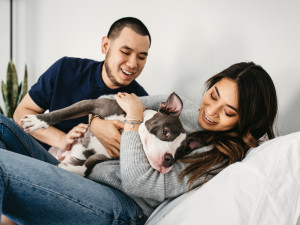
{"x": 31, "y": 123}
{"x": 80, "y": 170}
{"x": 63, "y": 166}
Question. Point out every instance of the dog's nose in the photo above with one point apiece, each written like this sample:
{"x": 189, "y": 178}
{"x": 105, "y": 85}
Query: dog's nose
{"x": 168, "y": 160}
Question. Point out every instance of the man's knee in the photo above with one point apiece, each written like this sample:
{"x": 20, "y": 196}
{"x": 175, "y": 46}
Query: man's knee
{"x": 4, "y": 119}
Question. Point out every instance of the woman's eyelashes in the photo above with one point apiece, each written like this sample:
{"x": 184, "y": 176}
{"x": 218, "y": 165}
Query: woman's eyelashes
{"x": 212, "y": 97}
{"x": 215, "y": 99}
{"x": 227, "y": 114}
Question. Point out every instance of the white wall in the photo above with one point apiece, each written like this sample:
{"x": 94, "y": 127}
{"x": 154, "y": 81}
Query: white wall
{"x": 192, "y": 40}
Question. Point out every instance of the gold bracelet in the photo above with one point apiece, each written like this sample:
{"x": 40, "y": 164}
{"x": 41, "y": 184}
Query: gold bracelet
{"x": 94, "y": 116}
{"x": 133, "y": 118}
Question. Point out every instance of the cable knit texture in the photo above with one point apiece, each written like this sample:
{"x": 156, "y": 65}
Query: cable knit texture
{"x": 133, "y": 174}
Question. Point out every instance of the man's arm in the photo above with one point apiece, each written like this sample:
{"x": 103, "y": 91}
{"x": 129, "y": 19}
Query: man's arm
{"x": 51, "y": 136}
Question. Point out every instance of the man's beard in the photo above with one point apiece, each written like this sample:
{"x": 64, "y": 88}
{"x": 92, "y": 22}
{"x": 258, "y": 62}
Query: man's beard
{"x": 109, "y": 72}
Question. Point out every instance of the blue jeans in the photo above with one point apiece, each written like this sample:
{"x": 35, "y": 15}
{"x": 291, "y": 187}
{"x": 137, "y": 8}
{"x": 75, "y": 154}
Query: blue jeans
{"x": 35, "y": 191}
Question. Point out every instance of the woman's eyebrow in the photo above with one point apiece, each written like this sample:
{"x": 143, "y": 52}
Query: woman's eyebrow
{"x": 230, "y": 106}
{"x": 217, "y": 90}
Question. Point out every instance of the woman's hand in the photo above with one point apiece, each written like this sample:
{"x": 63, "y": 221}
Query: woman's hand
{"x": 132, "y": 105}
{"x": 70, "y": 138}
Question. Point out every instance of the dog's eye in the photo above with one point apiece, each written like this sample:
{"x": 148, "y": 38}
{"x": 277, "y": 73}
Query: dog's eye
{"x": 166, "y": 132}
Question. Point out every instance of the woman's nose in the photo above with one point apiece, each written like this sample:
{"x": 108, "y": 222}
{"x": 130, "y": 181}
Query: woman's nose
{"x": 213, "y": 111}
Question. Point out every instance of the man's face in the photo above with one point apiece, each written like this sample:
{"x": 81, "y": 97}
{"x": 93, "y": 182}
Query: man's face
{"x": 125, "y": 58}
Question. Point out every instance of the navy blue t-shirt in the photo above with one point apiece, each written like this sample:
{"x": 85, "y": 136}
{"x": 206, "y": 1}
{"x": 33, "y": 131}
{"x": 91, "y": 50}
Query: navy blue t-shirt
{"x": 70, "y": 80}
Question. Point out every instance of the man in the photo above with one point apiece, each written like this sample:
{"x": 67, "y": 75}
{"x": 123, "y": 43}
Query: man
{"x": 70, "y": 80}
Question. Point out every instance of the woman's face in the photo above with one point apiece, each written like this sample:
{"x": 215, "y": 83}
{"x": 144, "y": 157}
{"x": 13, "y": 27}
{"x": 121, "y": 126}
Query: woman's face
{"x": 218, "y": 109}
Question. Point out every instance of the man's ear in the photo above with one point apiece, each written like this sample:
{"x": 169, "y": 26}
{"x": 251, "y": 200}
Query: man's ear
{"x": 104, "y": 45}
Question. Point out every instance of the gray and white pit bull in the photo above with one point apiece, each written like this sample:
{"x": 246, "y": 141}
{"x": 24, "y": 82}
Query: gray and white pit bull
{"x": 162, "y": 134}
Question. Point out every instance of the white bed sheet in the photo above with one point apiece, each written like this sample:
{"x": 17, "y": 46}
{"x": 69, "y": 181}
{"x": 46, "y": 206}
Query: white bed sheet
{"x": 263, "y": 189}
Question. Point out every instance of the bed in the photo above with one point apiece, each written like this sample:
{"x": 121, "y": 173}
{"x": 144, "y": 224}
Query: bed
{"x": 263, "y": 189}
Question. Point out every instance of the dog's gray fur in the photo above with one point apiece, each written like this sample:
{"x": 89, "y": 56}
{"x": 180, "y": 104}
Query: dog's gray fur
{"x": 165, "y": 120}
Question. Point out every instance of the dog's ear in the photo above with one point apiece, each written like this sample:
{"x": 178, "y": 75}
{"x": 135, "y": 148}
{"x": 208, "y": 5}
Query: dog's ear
{"x": 186, "y": 147}
{"x": 194, "y": 144}
{"x": 172, "y": 106}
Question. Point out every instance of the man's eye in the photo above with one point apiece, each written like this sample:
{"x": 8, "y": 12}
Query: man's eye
{"x": 126, "y": 53}
{"x": 141, "y": 58}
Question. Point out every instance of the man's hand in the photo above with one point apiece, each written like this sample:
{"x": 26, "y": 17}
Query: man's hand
{"x": 70, "y": 138}
{"x": 108, "y": 133}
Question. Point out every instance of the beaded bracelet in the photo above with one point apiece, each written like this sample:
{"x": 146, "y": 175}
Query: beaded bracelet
{"x": 94, "y": 116}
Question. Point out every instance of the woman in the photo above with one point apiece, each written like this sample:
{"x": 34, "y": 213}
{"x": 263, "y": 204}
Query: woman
{"x": 236, "y": 113}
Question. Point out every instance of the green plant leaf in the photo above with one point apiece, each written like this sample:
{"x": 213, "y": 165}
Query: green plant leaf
{"x": 15, "y": 94}
{"x": 24, "y": 86}
{"x": 1, "y": 111}
{"x": 5, "y": 96}
{"x": 12, "y": 88}
{"x": 19, "y": 92}
{"x": 9, "y": 79}
{"x": 25, "y": 82}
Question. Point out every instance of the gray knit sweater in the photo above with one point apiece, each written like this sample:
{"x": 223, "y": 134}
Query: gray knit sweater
{"x": 133, "y": 174}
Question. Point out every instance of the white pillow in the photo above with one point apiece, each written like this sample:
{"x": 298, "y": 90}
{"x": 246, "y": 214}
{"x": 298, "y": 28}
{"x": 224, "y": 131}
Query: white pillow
{"x": 263, "y": 189}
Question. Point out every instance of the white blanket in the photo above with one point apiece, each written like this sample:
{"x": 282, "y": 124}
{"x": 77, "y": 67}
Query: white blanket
{"x": 263, "y": 189}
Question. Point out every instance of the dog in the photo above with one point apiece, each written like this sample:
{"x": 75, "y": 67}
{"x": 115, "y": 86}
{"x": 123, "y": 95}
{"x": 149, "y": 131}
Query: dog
{"x": 162, "y": 134}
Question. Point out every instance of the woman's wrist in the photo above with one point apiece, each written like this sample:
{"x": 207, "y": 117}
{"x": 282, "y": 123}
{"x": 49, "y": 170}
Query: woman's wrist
{"x": 131, "y": 125}
{"x": 134, "y": 116}
{"x": 131, "y": 118}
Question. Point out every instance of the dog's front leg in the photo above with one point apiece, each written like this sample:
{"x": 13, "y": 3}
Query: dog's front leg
{"x": 104, "y": 107}
{"x": 76, "y": 110}
{"x": 33, "y": 122}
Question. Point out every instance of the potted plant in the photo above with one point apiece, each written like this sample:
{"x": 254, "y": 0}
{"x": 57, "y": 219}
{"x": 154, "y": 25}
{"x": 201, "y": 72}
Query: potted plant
{"x": 12, "y": 92}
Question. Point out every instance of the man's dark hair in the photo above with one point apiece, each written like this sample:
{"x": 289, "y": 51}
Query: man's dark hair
{"x": 130, "y": 22}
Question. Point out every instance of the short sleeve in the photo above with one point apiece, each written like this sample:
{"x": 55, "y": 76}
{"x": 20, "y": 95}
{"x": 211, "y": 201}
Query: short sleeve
{"x": 41, "y": 92}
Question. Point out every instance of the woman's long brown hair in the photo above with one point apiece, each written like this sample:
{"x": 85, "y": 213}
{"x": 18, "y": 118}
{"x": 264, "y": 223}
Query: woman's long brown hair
{"x": 257, "y": 111}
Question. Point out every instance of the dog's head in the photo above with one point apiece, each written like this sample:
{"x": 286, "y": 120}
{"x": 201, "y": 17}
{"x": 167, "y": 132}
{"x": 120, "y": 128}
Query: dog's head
{"x": 163, "y": 135}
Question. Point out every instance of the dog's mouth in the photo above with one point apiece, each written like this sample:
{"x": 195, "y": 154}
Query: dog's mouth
{"x": 163, "y": 164}
{"x": 161, "y": 169}
{"x": 164, "y": 170}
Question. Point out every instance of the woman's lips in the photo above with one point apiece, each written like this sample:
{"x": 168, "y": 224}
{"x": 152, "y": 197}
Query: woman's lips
{"x": 207, "y": 120}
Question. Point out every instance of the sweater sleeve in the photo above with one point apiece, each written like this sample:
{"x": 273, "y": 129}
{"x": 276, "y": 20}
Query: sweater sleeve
{"x": 188, "y": 116}
{"x": 140, "y": 179}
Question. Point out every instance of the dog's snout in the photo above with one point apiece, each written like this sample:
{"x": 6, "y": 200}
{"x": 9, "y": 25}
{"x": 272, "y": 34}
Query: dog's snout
{"x": 168, "y": 160}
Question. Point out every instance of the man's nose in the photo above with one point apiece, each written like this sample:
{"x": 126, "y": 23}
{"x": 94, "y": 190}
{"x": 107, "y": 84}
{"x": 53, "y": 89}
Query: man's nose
{"x": 132, "y": 62}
